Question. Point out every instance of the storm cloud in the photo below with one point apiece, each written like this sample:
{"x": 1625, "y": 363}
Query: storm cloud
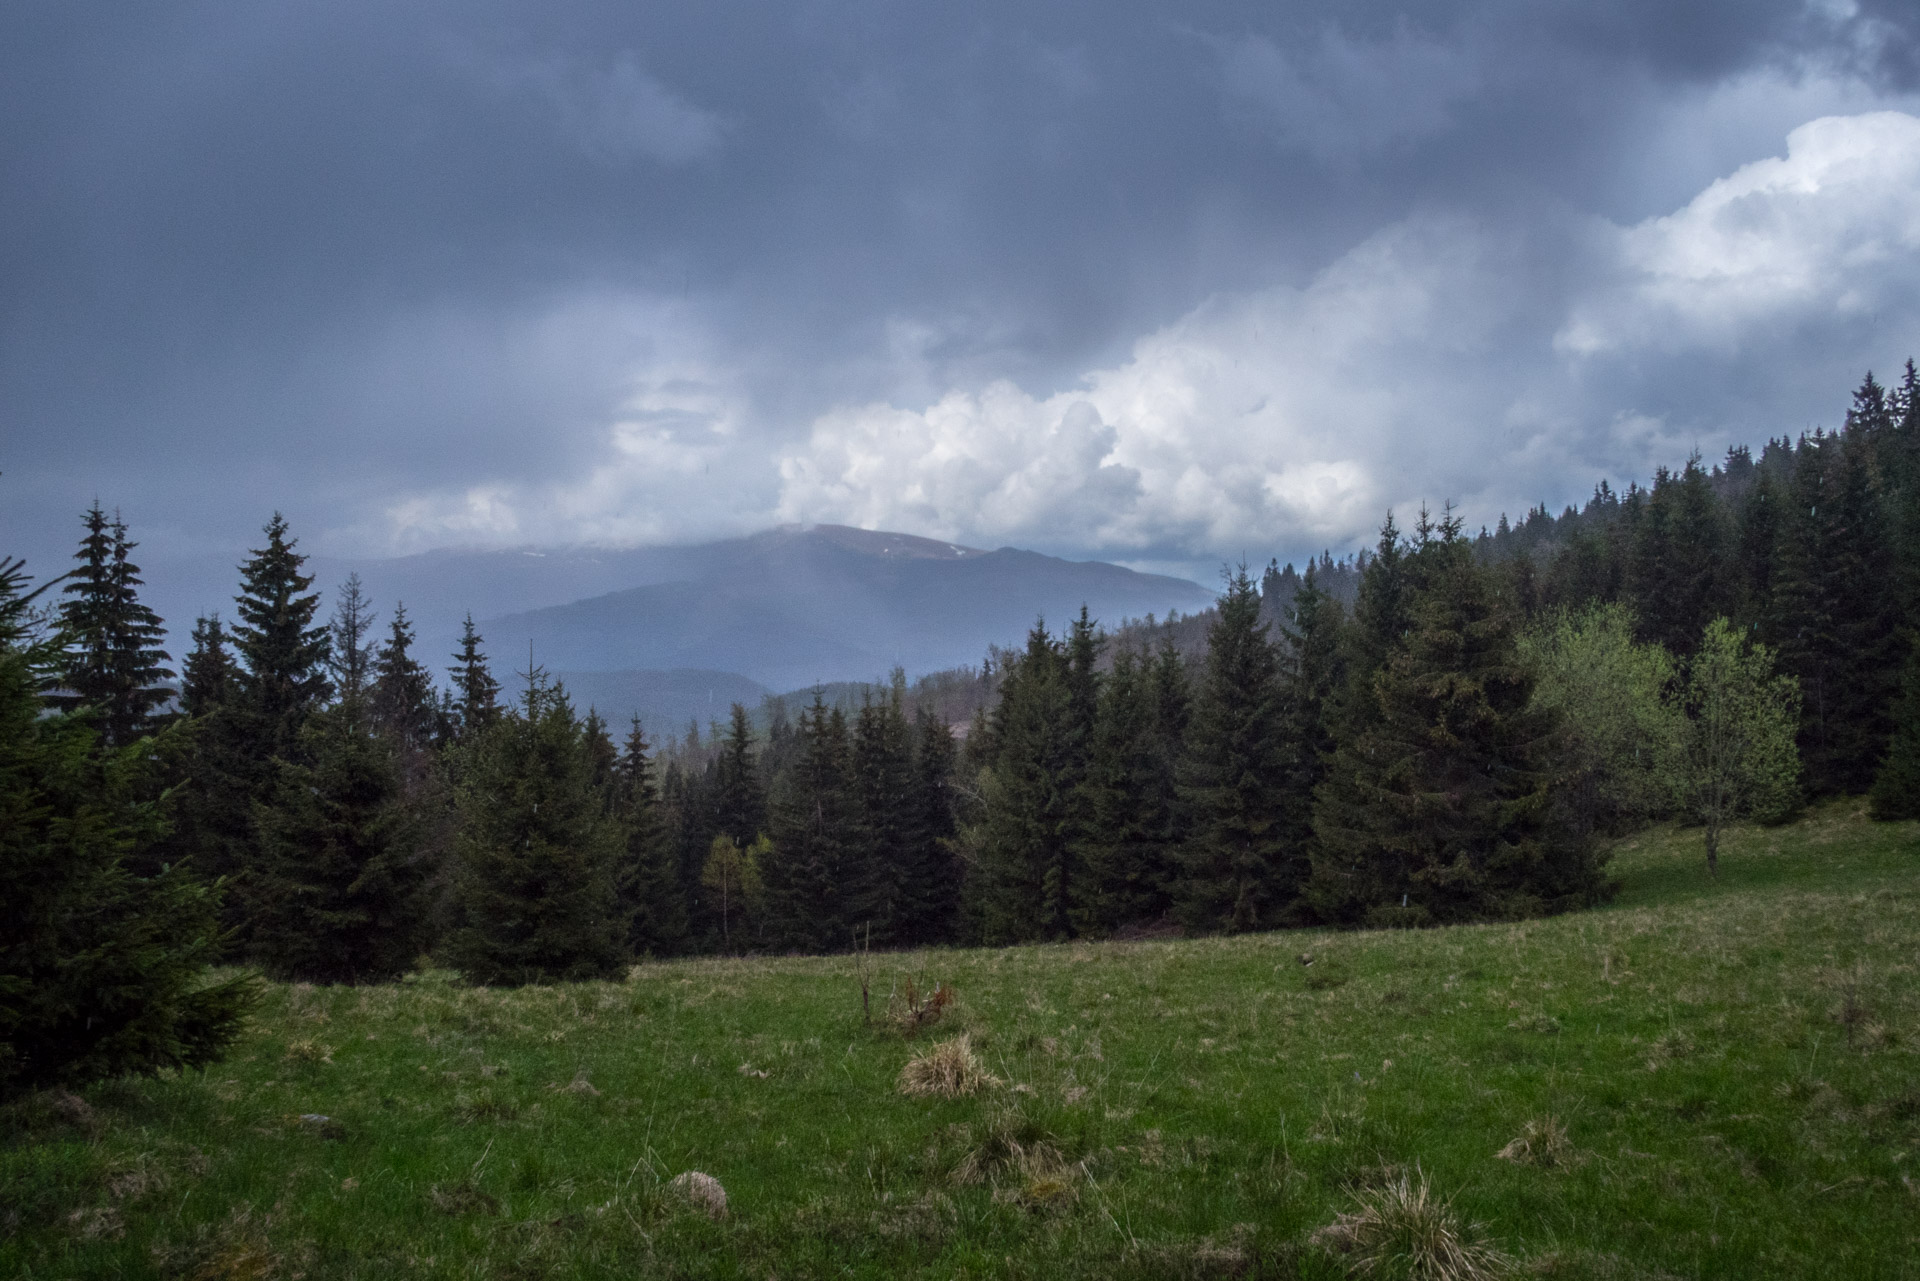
{"x": 1161, "y": 283}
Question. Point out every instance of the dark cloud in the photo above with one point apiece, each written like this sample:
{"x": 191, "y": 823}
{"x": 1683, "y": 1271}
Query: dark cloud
{"x": 445, "y": 272}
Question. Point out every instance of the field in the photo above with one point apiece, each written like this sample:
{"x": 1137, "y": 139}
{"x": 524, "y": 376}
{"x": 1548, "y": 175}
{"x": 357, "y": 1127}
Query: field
{"x": 1706, "y": 1079}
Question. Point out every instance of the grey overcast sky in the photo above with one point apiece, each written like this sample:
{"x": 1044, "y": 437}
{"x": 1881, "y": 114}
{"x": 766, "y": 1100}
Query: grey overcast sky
{"x": 1159, "y": 283}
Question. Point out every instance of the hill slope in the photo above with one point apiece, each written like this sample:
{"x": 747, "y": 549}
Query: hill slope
{"x": 1710, "y": 1079}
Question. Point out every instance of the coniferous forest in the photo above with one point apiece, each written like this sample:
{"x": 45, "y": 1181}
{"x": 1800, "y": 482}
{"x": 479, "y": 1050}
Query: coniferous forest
{"x": 1443, "y": 729}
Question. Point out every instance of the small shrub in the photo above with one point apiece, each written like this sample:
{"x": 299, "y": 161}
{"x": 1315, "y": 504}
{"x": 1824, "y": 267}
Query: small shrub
{"x": 910, "y": 1010}
{"x": 947, "y": 1070}
{"x": 1401, "y": 1231}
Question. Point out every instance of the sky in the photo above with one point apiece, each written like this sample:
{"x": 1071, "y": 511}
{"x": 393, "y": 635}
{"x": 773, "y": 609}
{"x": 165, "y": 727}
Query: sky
{"x": 1166, "y": 284}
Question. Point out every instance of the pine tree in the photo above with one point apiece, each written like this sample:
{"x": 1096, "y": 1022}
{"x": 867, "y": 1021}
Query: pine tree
{"x": 812, "y": 822}
{"x": 113, "y": 664}
{"x": 1674, "y": 559}
{"x": 402, "y": 699}
{"x": 348, "y": 658}
{"x": 1126, "y": 844}
{"x": 740, "y": 799}
{"x": 1896, "y": 787}
{"x": 652, "y": 899}
{"x": 1756, "y": 549}
{"x": 477, "y": 693}
{"x": 1435, "y": 807}
{"x": 1025, "y": 866}
{"x": 102, "y": 973}
{"x": 537, "y": 852}
{"x": 283, "y": 677}
{"x": 336, "y": 895}
{"x": 209, "y": 677}
{"x": 879, "y": 874}
{"x": 933, "y": 911}
{"x": 1311, "y": 676}
{"x": 1238, "y": 872}
{"x": 1836, "y": 613}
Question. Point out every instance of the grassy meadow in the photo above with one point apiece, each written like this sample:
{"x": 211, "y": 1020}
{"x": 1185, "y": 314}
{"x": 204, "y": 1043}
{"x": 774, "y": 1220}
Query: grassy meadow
{"x": 1706, "y": 1079}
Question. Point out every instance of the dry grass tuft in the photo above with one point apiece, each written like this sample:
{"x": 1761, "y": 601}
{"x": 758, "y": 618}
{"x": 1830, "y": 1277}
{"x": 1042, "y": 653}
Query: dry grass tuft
{"x": 1010, "y": 1143}
{"x": 1543, "y": 1143}
{"x": 947, "y": 1070}
{"x": 1403, "y": 1232}
{"x": 307, "y": 1050}
{"x": 579, "y": 1085}
{"x": 701, "y": 1191}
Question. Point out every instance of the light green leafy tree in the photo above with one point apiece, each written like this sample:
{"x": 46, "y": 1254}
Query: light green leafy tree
{"x": 732, "y": 872}
{"x": 1618, "y": 728}
{"x": 1735, "y": 756}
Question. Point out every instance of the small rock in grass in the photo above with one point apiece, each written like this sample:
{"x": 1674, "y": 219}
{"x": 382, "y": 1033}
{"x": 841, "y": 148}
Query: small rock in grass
{"x": 702, "y": 1191}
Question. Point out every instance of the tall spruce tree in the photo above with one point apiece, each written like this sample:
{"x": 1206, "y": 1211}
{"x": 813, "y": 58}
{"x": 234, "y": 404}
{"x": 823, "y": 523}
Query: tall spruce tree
{"x": 935, "y": 906}
{"x": 1239, "y": 872}
{"x": 1311, "y": 675}
{"x": 1835, "y": 606}
{"x": 112, "y": 662}
{"x": 283, "y": 654}
{"x": 1435, "y": 808}
{"x": 102, "y": 973}
{"x": 1675, "y": 557}
{"x": 813, "y": 830}
{"x": 740, "y": 798}
{"x": 348, "y": 658}
{"x": 1896, "y": 787}
{"x": 881, "y": 874}
{"x": 651, "y": 898}
{"x": 209, "y": 676}
{"x": 538, "y": 854}
{"x": 1025, "y": 866}
{"x": 1126, "y": 843}
{"x": 476, "y": 692}
{"x": 336, "y": 896}
{"x": 402, "y": 700}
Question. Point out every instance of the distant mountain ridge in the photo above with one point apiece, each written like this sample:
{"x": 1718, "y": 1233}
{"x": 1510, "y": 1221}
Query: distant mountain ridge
{"x": 801, "y": 604}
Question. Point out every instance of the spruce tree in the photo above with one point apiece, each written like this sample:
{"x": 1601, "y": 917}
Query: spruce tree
{"x": 402, "y": 699}
{"x": 476, "y": 692}
{"x": 336, "y": 894}
{"x": 812, "y": 820}
{"x": 740, "y": 799}
{"x": 652, "y": 900}
{"x": 1896, "y": 787}
{"x": 538, "y": 853}
{"x": 209, "y": 677}
{"x": 1239, "y": 872}
{"x": 102, "y": 973}
{"x": 1835, "y": 600}
{"x": 1025, "y": 865}
{"x": 1126, "y": 844}
{"x": 113, "y": 663}
{"x": 284, "y": 655}
{"x": 880, "y": 874}
{"x": 1311, "y": 675}
{"x": 1674, "y": 560}
{"x": 934, "y": 907}
{"x": 347, "y": 656}
{"x": 1435, "y": 807}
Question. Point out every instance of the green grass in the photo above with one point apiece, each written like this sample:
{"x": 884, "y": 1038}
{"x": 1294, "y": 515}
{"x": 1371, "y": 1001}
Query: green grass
{"x": 1734, "y": 1064}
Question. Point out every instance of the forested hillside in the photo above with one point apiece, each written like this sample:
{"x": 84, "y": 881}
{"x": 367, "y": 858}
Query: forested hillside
{"x": 1439, "y": 730}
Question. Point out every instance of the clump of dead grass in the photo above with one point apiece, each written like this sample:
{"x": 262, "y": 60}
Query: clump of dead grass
{"x": 949, "y": 1069}
{"x": 1009, "y": 1143}
{"x": 701, "y": 1191}
{"x": 1401, "y": 1231}
{"x": 1543, "y": 1143}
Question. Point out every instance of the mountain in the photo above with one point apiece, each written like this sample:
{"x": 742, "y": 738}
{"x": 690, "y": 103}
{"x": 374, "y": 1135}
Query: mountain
{"x": 663, "y": 700}
{"x": 785, "y": 608}
{"x": 797, "y": 605}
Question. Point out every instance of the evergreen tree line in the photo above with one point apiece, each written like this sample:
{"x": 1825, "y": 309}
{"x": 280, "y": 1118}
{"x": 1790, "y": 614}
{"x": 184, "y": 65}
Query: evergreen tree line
{"x": 1438, "y": 730}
